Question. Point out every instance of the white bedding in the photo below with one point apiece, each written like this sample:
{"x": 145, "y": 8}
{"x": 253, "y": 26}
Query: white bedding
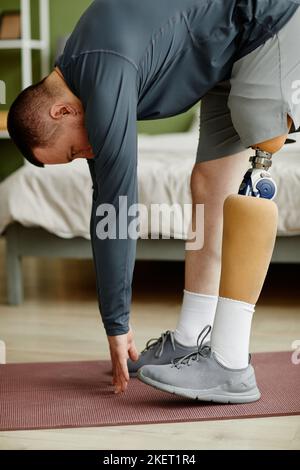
{"x": 58, "y": 198}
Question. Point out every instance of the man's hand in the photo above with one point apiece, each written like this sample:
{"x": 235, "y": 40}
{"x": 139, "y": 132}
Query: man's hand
{"x": 121, "y": 347}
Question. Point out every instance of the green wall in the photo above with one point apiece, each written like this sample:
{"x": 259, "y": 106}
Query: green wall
{"x": 63, "y": 16}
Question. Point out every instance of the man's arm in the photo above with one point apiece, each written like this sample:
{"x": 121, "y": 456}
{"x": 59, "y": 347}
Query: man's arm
{"x": 107, "y": 87}
{"x": 108, "y": 92}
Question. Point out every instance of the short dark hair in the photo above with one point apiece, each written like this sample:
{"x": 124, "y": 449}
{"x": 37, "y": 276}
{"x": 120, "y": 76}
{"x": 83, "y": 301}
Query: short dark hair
{"x": 26, "y": 120}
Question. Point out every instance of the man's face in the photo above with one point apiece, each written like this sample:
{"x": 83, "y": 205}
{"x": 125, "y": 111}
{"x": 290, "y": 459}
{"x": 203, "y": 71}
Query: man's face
{"x": 72, "y": 143}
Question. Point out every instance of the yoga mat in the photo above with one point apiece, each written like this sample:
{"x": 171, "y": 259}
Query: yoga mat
{"x": 80, "y": 394}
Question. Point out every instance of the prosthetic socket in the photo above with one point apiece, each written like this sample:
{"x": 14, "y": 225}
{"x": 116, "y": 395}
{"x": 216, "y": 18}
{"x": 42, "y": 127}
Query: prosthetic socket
{"x": 247, "y": 250}
{"x": 258, "y": 181}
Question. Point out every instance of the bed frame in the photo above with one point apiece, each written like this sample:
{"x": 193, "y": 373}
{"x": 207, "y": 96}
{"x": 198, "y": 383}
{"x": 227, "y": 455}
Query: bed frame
{"x": 34, "y": 241}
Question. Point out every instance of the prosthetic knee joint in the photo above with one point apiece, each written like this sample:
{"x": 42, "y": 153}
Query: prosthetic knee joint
{"x": 258, "y": 181}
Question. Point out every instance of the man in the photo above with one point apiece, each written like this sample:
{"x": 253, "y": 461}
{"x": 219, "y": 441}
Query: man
{"x": 129, "y": 60}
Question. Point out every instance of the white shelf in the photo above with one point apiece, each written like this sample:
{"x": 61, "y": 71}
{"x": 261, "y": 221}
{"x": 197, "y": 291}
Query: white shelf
{"x": 21, "y": 44}
{"x": 26, "y": 44}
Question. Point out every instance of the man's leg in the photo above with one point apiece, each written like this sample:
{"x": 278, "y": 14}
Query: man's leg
{"x": 249, "y": 234}
{"x": 222, "y": 372}
{"x": 211, "y": 183}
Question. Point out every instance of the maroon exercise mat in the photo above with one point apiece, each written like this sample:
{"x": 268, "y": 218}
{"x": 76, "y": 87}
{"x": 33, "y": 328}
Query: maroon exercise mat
{"x": 80, "y": 394}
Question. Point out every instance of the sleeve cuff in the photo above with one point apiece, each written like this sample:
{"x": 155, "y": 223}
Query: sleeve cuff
{"x": 116, "y": 331}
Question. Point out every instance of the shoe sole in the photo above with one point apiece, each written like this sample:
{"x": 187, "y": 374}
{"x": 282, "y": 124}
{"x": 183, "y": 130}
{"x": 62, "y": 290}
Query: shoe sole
{"x": 214, "y": 395}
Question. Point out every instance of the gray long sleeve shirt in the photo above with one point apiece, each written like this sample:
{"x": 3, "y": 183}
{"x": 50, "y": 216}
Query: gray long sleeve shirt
{"x": 130, "y": 60}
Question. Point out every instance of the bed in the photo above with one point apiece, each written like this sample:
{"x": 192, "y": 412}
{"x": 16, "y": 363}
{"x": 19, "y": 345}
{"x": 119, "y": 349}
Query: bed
{"x": 45, "y": 212}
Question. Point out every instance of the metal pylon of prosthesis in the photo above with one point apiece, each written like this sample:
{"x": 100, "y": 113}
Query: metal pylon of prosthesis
{"x": 258, "y": 181}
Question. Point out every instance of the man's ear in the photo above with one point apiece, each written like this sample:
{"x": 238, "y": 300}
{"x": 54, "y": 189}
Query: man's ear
{"x": 59, "y": 110}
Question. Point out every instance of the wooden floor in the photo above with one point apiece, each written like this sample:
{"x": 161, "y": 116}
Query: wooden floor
{"x": 59, "y": 321}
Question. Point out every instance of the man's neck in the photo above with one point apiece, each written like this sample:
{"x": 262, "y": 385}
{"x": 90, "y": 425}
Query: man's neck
{"x": 56, "y": 80}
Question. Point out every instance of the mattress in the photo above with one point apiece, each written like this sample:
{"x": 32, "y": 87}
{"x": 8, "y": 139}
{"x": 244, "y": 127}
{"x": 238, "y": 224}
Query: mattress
{"x": 58, "y": 197}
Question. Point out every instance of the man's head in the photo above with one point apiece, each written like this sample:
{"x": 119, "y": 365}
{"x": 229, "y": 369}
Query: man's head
{"x": 46, "y": 122}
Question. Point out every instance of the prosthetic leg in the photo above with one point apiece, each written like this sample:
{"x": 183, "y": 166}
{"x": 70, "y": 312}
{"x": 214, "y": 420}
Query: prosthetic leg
{"x": 250, "y": 228}
{"x": 249, "y": 233}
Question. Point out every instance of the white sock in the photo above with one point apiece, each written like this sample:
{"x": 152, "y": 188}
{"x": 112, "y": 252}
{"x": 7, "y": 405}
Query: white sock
{"x": 197, "y": 311}
{"x": 231, "y": 332}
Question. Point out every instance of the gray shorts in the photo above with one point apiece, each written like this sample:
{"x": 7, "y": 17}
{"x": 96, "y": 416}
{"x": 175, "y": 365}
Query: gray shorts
{"x": 253, "y": 105}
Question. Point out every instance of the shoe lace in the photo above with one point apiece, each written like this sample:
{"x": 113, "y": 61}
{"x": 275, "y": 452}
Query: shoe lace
{"x": 160, "y": 342}
{"x": 203, "y": 350}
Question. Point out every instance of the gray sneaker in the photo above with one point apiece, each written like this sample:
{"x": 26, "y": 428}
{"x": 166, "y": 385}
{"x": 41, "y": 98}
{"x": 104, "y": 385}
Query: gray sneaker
{"x": 159, "y": 351}
{"x": 200, "y": 376}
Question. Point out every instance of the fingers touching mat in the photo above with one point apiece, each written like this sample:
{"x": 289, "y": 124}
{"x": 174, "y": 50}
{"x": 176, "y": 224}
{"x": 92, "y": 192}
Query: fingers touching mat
{"x": 80, "y": 394}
